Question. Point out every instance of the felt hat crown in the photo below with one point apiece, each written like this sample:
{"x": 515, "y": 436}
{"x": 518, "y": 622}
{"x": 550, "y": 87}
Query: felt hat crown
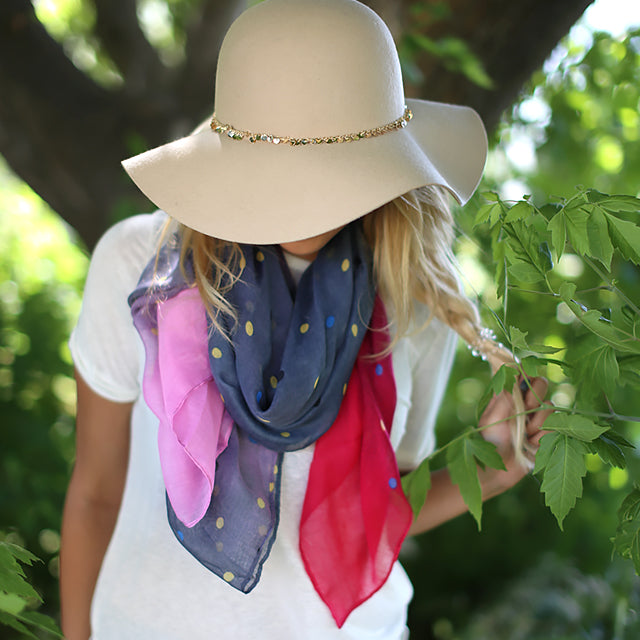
{"x": 311, "y": 130}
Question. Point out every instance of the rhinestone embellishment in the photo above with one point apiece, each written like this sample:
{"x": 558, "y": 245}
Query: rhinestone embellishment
{"x": 238, "y": 134}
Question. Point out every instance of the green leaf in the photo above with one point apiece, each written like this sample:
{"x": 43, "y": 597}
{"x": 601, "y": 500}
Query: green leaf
{"x": 545, "y": 259}
{"x": 558, "y": 231}
{"x": 463, "y": 456}
{"x": 484, "y": 401}
{"x": 11, "y": 621}
{"x": 599, "y": 241}
{"x": 543, "y": 455}
{"x": 630, "y": 370}
{"x": 530, "y": 365}
{"x": 490, "y": 195}
{"x": 630, "y": 507}
{"x": 608, "y": 450}
{"x": 518, "y": 339}
{"x": 627, "y": 538}
{"x": 625, "y": 236}
{"x": 486, "y": 452}
{"x": 618, "y": 439}
{"x": 486, "y": 213}
{"x": 574, "y": 426}
{"x": 562, "y": 466}
{"x": 416, "y": 485}
{"x": 567, "y": 290}
{"x": 576, "y": 222}
{"x": 519, "y": 211}
{"x": 12, "y": 578}
{"x": 596, "y": 363}
{"x": 464, "y": 472}
{"x": 519, "y": 343}
{"x": 12, "y": 603}
{"x": 40, "y": 621}
{"x": 593, "y": 320}
{"x": 504, "y": 377}
{"x": 620, "y": 203}
{"x": 524, "y": 272}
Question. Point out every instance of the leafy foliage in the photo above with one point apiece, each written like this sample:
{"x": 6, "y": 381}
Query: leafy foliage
{"x": 16, "y": 594}
{"x": 526, "y": 242}
{"x": 627, "y": 539}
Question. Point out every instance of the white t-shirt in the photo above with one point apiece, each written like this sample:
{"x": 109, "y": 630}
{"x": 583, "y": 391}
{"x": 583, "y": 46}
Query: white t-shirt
{"x": 150, "y": 587}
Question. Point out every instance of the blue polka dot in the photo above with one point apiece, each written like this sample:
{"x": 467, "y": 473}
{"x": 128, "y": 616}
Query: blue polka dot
{"x": 330, "y": 321}
{"x": 393, "y": 483}
{"x": 378, "y": 369}
{"x": 259, "y": 396}
{"x": 180, "y": 535}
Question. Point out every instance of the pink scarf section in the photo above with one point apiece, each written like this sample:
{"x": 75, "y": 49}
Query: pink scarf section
{"x": 355, "y": 515}
{"x": 179, "y": 388}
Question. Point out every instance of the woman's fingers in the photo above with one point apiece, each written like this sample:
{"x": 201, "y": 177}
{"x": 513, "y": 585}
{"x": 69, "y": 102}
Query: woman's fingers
{"x": 536, "y": 392}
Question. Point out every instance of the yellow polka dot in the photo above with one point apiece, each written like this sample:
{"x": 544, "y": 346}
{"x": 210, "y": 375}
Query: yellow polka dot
{"x": 262, "y": 530}
{"x": 248, "y": 327}
{"x": 285, "y": 434}
{"x": 344, "y": 388}
{"x": 304, "y": 327}
{"x": 265, "y": 420}
{"x": 222, "y": 398}
{"x": 272, "y": 486}
{"x": 228, "y": 576}
{"x": 220, "y": 523}
{"x": 219, "y": 546}
{"x": 345, "y": 265}
{"x": 260, "y": 256}
{"x": 273, "y": 381}
{"x": 243, "y": 262}
{"x": 275, "y": 469}
{"x": 354, "y": 330}
{"x": 261, "y": 503}
{"x": 154, "y": 331}
{"x": 315, "y": 384}
{"x": 216, "y": 353}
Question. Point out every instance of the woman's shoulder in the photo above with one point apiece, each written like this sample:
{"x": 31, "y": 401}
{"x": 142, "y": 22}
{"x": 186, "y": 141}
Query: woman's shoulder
{"x": 127, "y": 246}
{"x": 135, "y": 235}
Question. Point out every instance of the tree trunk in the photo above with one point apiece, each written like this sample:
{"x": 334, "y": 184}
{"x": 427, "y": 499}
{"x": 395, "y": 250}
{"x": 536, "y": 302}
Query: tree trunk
{"x": 65, "y": 135}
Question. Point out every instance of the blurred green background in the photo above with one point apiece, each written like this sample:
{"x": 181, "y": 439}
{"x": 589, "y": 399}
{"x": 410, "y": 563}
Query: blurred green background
{"x": 577, "y": 123}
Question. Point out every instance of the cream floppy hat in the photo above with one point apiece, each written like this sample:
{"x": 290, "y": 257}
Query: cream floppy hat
{"x": 311, "y": 130}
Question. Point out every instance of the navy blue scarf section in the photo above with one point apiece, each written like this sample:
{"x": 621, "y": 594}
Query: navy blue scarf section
{"x": 282, "y": 376}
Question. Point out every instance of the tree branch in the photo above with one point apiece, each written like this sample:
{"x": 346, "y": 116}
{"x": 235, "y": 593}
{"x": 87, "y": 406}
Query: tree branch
{"x": 58, "y": 130}
{"x": 119, "y": 32}
{"x": 204, "y": 37}
{"x": 512, "y": 39}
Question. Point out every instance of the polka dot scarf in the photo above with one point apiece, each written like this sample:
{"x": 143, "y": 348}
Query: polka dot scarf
{"x": 299, "y": 361}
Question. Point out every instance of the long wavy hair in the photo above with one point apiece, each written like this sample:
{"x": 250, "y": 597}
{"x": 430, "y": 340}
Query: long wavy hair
{"x": 411, "y": 238}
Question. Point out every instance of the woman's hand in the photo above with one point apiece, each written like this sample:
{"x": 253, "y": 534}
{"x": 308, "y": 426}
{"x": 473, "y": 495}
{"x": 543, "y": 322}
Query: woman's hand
{"x": 498, "y": 415}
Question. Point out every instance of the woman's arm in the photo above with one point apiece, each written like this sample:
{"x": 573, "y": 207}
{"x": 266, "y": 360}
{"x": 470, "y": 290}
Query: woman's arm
{"x": 92, "y": 503}
{"x": 444, "y": 501}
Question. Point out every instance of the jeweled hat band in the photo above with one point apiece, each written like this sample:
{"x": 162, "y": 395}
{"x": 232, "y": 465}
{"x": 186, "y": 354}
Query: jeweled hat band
{"x": 239, "y": 134}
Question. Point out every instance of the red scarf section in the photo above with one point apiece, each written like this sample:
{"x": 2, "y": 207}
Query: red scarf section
{"x": 355, "y": 515}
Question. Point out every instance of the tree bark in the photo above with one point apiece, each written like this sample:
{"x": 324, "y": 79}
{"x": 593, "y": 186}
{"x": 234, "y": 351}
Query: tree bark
{"x": 65, "y": 135}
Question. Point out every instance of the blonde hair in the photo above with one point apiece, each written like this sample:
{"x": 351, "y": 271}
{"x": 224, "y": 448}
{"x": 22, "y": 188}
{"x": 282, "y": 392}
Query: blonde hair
{"x": 412, "y": 238}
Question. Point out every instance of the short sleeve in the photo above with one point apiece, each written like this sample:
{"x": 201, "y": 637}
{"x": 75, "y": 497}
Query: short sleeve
{"x": 430, "y": 354}
{"x": 104, "y": 345}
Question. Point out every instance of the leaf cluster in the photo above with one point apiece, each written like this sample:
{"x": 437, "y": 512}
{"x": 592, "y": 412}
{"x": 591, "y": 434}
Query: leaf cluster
{"x": 17, "y": 595}
{"x": 526, "y": 243}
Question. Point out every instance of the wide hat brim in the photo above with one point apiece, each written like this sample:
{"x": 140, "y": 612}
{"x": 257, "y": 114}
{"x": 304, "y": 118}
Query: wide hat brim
{"x": 261, "y": 193}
